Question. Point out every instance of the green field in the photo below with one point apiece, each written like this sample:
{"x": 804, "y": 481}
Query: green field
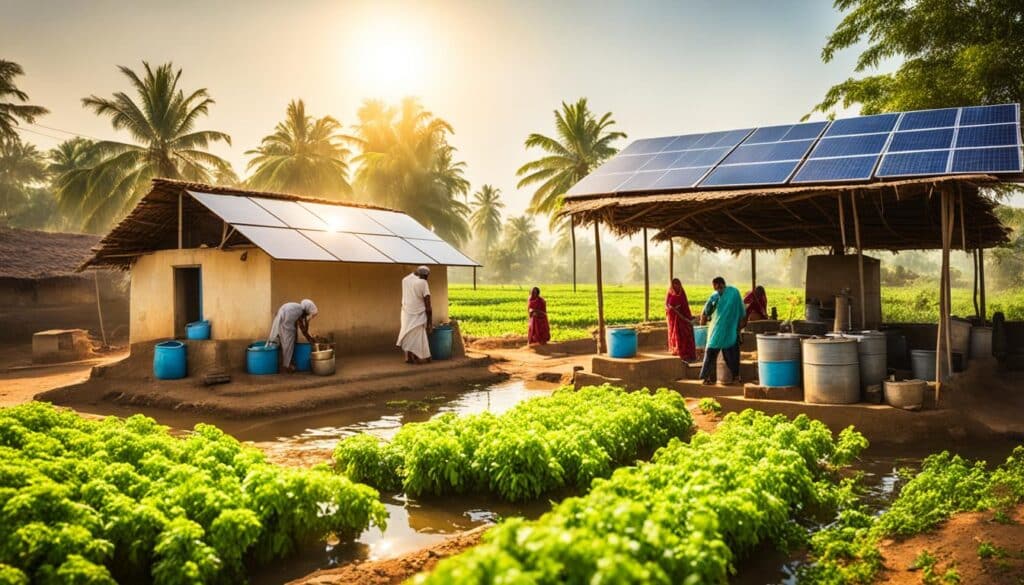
{"x": 497, "y": 310}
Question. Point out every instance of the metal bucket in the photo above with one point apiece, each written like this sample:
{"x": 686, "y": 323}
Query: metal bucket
{"x": 922, "y": 364}
{"x": 981, "y": 342}
{"x": 722, "y": 371}
{"x": 831, "y": 371}
{"x": 322, "y": 362}
{"x": 906, "y": 394}
{"x": 871, "y": 353}
{"x": 778, "y": 360}
{"x": 960, "y": 336}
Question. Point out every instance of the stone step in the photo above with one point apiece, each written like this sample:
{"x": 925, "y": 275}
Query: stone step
{"x": 748, "y": 370}
{"x": 697, "y": 389}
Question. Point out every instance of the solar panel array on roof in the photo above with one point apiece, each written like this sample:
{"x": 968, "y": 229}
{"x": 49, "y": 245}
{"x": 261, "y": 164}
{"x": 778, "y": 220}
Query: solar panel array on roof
{"x": 303, "y": 230}
{"x": 979, "y": 139}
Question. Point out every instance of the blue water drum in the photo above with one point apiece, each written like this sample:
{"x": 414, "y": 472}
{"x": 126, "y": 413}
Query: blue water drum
{"x": 700, "y": 336}
{"x": 778, "y": 359}
{"x": 302, "y": 353}
{"x": 622, "y": 342}
{"x": 261, "y": 359}
{"x": 169, "y": 360}
{"x": 440, "y": 340}
{"x": 198, "y": 330}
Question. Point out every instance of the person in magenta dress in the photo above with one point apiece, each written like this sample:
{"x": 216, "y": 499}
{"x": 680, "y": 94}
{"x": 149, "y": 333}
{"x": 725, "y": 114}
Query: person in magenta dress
{"x": 680, "y": 327}
{"x": 756, "y": 302}
{"x": 540, "y": 331}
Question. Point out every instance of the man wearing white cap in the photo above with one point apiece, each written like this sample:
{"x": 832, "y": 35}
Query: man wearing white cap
{"x": 416, "y": 317}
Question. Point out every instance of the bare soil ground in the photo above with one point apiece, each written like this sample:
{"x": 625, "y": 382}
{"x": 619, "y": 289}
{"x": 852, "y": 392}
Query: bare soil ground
{"x": 20, "y": 380}
{"x": 955, "y": 545}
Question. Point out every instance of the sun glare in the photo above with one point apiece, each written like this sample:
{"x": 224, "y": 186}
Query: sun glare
{"x": 390, "y": 60}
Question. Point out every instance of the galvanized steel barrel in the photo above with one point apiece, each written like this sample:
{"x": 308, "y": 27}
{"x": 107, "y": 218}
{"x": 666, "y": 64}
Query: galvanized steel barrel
{"x": 872, "y": 354}
{"x": 981, "y": 342}
{"x": 778, "y": 359}
{"x": 960, "y": 337}
{"x": 831, "y": 371}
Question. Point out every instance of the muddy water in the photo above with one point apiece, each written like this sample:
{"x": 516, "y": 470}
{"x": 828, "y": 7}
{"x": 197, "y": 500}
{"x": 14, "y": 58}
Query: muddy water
{"x": 881, "y": 481}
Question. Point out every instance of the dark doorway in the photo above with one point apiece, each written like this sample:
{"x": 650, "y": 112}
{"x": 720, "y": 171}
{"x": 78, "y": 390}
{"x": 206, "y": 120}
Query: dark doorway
{"x": 188, "y": 298}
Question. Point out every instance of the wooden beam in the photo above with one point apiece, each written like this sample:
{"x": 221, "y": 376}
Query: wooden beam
{"x": 99, "y": 307}
{"x": 180, "y": 194}
{"x": 671, "y": 259}
{"x": 860, "y": 260}
{"x": 601, "y": 341}
{"x": 981, "y": 283}
{"x": 753, "y": 269}
{"x": 647, "y": 282}
{"x": 842, "y": 221}
{"x": 752, "y": 230}
{"x": 474, "y": 278}
{"x": 572, "y": 236}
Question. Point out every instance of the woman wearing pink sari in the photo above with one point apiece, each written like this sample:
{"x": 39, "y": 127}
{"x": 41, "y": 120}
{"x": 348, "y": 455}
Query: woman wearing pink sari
{"x": 540, "y": 332}
{"x": 680, "y": 327}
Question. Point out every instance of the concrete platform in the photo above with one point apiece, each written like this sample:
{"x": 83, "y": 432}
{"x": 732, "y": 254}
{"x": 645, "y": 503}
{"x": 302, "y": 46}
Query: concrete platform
{"x": 646, "y": 370}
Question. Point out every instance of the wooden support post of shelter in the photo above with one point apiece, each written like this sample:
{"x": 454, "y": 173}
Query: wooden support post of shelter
{"x": 974, "y": 288}
{"x": 99, "y": 307}
{"x": 860, "y": 261}
{"x": 572, "y": 237}
{"x": 180, "y": 204}
{"x": 753, "y": 269}
{"x": 647, "y": 282}
{"x": 601, "y": 341}
{"x": 474, "y": 278}
{"x": 981, "y": 283}
{"x": 671, "y": 259}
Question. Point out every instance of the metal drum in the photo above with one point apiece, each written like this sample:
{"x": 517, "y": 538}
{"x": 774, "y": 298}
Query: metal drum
{"x": 960, "y": 337}
{"x": 778, "y": 360}
{"x": 722, "y": 371}
{"x": 922, "y": 364}
{"x": 981, "y": 343}
{"x": 871, "y": 352}
{"x": 831, "y": 371}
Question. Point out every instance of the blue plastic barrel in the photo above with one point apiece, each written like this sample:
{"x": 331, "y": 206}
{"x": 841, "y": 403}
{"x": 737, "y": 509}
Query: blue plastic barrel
{"x": 198, "y": 330}
{"x": 169, "y": 360}
{"x": 622, "y": 342}
{"x": 700, "y": 335}
{"x": 302, "y": 353}
{"x": 262, "y": 359}
{"x": 440, "y": 340}
{"x": 778, "y": 374}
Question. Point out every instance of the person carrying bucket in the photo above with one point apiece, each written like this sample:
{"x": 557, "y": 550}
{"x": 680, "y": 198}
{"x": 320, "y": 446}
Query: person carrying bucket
{"x": 291, "y": 318}
{"x": 725, "y": 310}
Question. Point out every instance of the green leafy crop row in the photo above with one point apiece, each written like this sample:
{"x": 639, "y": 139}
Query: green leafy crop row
{"x": 847, "y": 552}
{"x": 85, "y": 501}
{"x": 563, "y": 440}
{"x": 685, "y": 518}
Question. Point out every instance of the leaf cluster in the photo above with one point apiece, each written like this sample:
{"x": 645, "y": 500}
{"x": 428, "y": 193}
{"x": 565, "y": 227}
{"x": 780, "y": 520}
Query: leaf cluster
{"x": 85, "y": 501}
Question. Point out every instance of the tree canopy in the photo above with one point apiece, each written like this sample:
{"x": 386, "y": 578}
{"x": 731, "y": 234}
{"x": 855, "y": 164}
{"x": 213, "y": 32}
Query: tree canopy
{"x": 14, "y": 106}
{"x": 949, "y": 54}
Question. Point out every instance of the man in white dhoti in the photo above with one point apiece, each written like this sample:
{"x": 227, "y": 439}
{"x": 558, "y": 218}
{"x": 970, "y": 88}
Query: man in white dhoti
{"x": 417, "y": 317}
{"x": 283, "y": 328}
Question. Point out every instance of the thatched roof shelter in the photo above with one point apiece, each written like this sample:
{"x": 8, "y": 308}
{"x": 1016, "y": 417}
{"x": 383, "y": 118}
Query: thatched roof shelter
{"x": 893, "y": 215}
{"x": 38, "y": 255}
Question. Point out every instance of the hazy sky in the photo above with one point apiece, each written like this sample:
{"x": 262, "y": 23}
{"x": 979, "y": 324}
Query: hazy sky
{"x": 495, "y": 70}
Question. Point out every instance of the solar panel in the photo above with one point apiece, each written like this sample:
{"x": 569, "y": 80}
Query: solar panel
{"x": 805, "y": 131}
{"x": 674, "y": 177}
{"x": 996, "y": 135}
{"x": 922, "y": 140}
{"x": 291, "y": 213}
{"x": 988, "y": 160}
{"x": 772, "y": 173}
{"x": 233, "y": 209}
{"x": 347, "y": 247}
{"x": 594, "y": 184}
{"x": 397, "y": 249}
{"x": 401, "y": 224}
{"x": 771, "y": 151}
{"x": 909, "y": 164}
{"x": 648, "y": 145}
{"x": 924, "y": 119}
{"x": 863, "y": 125}
{"x": 830, "y": 170}
{"x": 443, "y": 253}
{"x": 769, "y": 134}
{"x": 661, "y": 161}
{"x": 850, "y": 145}
{"x": 338, "y": 218}
{"x": 1001, "y": 114}
{"x": 625, "y": 164}
{"x": 642, "y": 181}
{"x": 284, "y": 243}
{"x": 684, "y": 142}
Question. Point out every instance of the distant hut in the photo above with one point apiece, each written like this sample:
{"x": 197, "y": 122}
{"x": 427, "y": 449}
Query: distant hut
{"x": 234, "y": 256}
{"x": 40, "y": 288}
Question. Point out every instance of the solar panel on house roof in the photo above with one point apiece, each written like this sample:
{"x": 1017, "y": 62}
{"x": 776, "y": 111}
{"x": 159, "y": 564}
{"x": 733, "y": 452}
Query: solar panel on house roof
{"x": 291, "y": 213}
{"x": 347, "y": 247}
{"x": 977, "y": 139}
{"x": 339, "y": 218}
{"x": 399, "y": 250}
{"x": 442, "y": 252}
{"x": 235, "y": 210}
{"x": 401, "y": 224}
{"x": 284, "y": 243}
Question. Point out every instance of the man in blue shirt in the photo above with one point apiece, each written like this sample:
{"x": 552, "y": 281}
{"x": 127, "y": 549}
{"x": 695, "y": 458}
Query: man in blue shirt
{"x": 725, "y": 310}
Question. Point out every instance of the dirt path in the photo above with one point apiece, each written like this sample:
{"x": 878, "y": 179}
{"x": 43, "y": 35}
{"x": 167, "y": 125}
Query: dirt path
{"x": 956, "y": 544}
{"x": 20, "y": 381}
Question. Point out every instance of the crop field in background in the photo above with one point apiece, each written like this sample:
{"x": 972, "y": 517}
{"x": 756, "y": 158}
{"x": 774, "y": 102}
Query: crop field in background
{"x": 497, "y": 310}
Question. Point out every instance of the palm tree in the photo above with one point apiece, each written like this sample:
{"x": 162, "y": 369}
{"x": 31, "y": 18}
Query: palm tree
{"x": 486, "y": 217}
{"x": 583, "y": 142}
{"x": 21, "y": 165}
{"x": 11, "y": 112}
{"x": 71, "y": 163}
{"x": 165, "y": 142}
{"x": 304, "y": 155}
{"x": 405, "y": 162}
{"x": 521, "y": 237}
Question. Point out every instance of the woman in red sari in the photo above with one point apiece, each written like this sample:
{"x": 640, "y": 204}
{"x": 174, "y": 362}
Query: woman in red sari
{"x": 680, "y": 327}
{"x": 757, "y": 305}
{"x": 540, "y": 332}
